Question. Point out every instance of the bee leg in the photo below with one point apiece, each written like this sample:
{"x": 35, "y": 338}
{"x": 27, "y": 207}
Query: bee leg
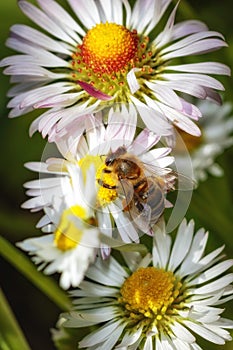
{"x": 109, "y": 187}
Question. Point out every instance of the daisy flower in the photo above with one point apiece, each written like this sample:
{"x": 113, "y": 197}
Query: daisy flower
{"x": 103, "y": 53}
{"x": 157, "y": 302}
{"x": 112, "y": 202}
{"x": 73, "y": 238}
{"x": 217, "y": 128}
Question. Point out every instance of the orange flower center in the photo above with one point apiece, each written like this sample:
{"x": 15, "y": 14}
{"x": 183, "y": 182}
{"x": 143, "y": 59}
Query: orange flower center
{"x": 108, "y": 47}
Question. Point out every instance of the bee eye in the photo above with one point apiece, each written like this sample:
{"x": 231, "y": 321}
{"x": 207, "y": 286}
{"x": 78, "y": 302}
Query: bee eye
{"x": 109, "y": 160}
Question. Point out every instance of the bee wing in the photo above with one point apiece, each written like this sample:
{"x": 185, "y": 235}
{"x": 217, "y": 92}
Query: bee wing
{"x": 142, "y": 217}
{"x": 172, "y": 179}
{"x": 183, "y": 182}
{"x": 125, "y": 190}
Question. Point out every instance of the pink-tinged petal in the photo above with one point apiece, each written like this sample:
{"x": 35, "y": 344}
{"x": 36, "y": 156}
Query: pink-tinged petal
{"x": 72, "y": 114}
{"x": 47, "y": 123}
{"x": 200, "y": 79}
{"x": 46, "y": 59}
{"x": 38, "y": 95}
{"x": 152, "y": 119}
{"x": 122, "y": 124}
{"x": 199, "y": 47}
{"x": 33, "y": 72}
{"x": 86, "y": 11}
{"x": 62, "y": 100}
{"x": 132, "y": 80}
{"x": 152, "y": 12}
{"x": 94, "y": 92}
{"x": 35, "y": 124}
{"x": 165, "y": 162}
{"x": 165, "y": 36}
{"x": 160, "y": 152}
{"x": 180, "y": 120}
{"x": 17, "y": 112}
{"x": 187, "y": 125}
{"x": 43, "y": 21}
{"x": 95, "y": 132}
{"x": 36, "y": 37}
{"x": 186, "y": 87}
{"x": 23, "y": 87}
{"x": 137, "y": 20}
{"x": 165, "y": 95}
{"x": 112, "y": 11}
{"x": 186, "y": 28}
{"x": 202, "y": 67}
{"x": 192, "y": 39}
{"x": 143, "y": 142}
{"x": 54, "y": 10}
{"x": 159, "y": 9}
{"x": 27, "y": 47}
{"x": 191, "y": 110}
{"x": 213, "y": 96}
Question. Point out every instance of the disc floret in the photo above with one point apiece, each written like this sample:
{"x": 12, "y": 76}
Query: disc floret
{"x": 148, "y": 296}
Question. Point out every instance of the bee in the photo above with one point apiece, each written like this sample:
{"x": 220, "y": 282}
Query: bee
{"x": 141, "y": 188}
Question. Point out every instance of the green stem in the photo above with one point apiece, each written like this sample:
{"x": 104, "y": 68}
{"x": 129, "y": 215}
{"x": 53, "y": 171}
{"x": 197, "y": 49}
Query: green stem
{"x": 11, "y": 336}
{"x": 28, "y": 269}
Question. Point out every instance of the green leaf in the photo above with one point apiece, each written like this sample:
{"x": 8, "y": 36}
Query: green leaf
{"x": 11, "y": 336}
{"x": 46, "y": 284}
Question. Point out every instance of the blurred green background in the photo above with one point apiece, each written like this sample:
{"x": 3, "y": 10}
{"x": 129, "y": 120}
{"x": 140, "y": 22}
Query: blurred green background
{"x": 33, "y": 310}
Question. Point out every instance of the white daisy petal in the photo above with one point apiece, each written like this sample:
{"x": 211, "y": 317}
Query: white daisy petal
{"x": 110, "y": 333}
{"x": 34, "y": 36}
{"x": 134, "y": 68}
{"x": 182, "y": 333}
{"x": 212, "y": 272}
{"x": 216, "y": 285}
{"x": 55, "y": 11}
{"x": 203, "y": 67}
{"x": 182, "y": 244}
{"x": 187, "y": 27}
{"x": 87, "y": 12}
{"x": 205, "y": 333}
{"x": 216, "y": 125}
{"x": 146, "y": 287}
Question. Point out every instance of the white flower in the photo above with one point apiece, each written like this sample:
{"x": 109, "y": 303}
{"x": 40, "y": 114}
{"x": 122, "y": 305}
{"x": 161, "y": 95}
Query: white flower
{"x": 157, "y": 302}
{"x": 91, "y": 149}
{"x": 74, "y": 70}
{"x": 217, "y": 128}
{"x": 73, "y": 244}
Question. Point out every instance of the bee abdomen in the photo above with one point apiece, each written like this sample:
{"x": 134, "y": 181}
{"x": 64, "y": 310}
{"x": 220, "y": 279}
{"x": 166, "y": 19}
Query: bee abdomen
{"x": 155, "y": 200}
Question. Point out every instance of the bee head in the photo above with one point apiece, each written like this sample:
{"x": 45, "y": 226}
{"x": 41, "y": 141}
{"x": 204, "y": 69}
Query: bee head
{"x": 110, "y": 159}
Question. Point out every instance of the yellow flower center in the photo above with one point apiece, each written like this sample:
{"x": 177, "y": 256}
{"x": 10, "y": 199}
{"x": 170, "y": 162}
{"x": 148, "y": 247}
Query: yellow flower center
{"x": 87, "y": 161}
{"x": 106, "y": 181}
{"x": 108, "y": 47}
{"x": 67, "y": 234}
{"x": 107, "y": 54}
{"x": 149, "y": 292}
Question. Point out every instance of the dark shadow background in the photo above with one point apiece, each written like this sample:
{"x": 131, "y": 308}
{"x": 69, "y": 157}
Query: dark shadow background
{"x": 35, "y": 313}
